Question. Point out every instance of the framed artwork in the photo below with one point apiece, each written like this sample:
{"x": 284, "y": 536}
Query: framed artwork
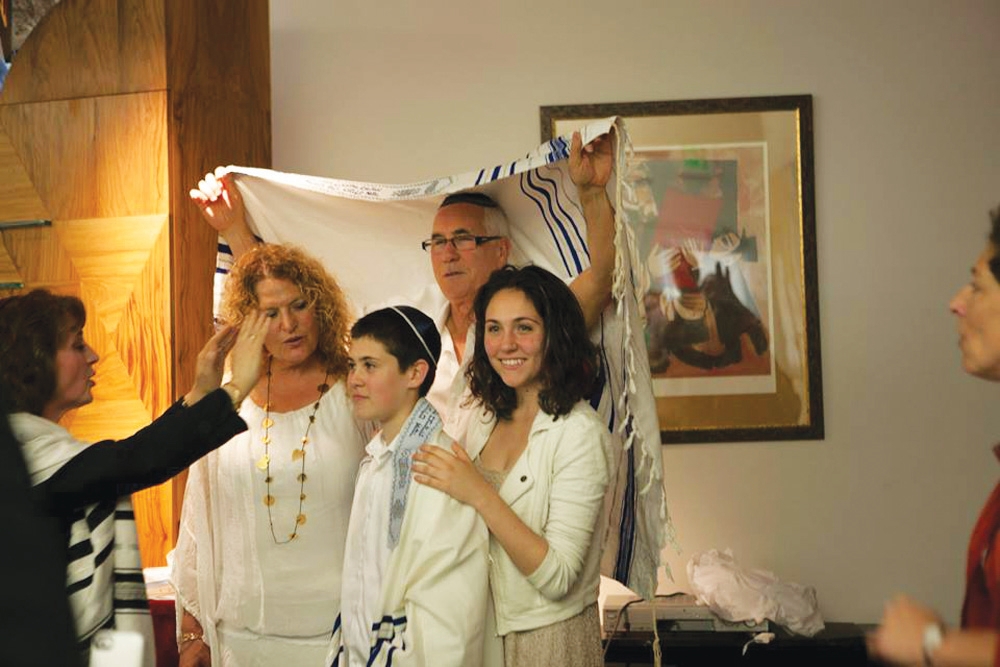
{"x": 719, "y": 195}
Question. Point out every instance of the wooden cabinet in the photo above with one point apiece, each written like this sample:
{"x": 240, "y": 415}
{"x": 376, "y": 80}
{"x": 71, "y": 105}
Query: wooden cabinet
{"x": 111, "y": 111}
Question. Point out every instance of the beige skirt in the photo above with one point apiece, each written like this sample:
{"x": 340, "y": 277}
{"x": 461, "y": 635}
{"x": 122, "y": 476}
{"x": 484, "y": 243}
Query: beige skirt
{"x": 575, "y": 641}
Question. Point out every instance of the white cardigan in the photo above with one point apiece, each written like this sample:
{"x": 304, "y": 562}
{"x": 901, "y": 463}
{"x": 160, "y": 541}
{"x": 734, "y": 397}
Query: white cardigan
{"x": 557, "y": 488}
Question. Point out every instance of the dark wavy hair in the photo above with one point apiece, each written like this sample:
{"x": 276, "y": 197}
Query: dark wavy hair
{"x": 391, "y": 329}
{"x": 994, "y": 262}
{"x": 33, "y": 327}
{"x": 569, "y": 363}
{"x": 320, "y": 289}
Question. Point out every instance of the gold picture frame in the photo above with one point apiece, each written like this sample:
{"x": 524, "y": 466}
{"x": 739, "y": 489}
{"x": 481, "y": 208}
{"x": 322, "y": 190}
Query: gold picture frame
{"x": 720, "y": 197}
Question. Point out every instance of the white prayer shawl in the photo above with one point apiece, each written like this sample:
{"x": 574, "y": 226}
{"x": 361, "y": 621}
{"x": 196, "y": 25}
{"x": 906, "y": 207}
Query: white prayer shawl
{"x": 433, "y": 605}
{"x": 258, "y": 602}
{"x": 104, "y": 572}
{"x": 368, "y": 235}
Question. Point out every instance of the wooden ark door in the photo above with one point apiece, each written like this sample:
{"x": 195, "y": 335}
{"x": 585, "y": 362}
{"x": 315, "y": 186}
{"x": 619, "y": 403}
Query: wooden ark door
{"x": 104, "y": 125}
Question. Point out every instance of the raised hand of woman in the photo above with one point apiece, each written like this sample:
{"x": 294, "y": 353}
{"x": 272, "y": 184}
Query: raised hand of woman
{"x": 221, "y": 205}
{"x": 209, "y": 364}
{"x": 247, "y": 360}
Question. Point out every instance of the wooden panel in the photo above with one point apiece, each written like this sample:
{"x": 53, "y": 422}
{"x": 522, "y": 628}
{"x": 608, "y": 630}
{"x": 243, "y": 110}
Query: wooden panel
{"x": 110, "y": 256}
{"x": 219, "y": 77}
{"x": 41, "y": 259}
{"x": 154, "y": 522}
{"x": 86, "y": 112}
{"x": 9, "y": 275}
{"x": 95, "y": 158}
{"x": 85, "y": 48}
{"x": 143, "y": 333}
{"x": 18, "y": 199}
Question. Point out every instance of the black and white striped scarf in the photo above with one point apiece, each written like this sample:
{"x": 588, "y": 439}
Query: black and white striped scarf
{"x": 104, "y": 572}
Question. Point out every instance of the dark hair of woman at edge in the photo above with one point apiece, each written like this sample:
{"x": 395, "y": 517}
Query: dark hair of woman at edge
{"x": 28, "y": 363}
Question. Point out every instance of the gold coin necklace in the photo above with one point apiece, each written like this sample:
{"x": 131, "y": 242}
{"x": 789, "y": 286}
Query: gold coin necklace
{"x": 299, "y": 454}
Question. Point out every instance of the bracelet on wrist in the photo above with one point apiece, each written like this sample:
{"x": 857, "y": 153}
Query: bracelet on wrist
{"x": 933, "y": 635}
{"x": 188, "y": 637}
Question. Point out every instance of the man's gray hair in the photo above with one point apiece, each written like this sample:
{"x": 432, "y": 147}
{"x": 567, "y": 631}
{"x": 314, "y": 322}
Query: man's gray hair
{"x": 495, "y": 221}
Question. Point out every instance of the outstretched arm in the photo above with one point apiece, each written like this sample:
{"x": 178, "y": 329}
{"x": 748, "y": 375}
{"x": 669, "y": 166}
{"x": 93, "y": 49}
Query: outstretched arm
{"x": 180, "y": 436}
{"x": 590, "y": 167}
{"x": 221, "y": 205}
{"x": 899, "y": 639}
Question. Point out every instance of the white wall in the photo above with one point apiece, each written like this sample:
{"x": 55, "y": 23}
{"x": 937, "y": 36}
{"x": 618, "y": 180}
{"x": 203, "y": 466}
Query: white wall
{"x": 907, "y": 104}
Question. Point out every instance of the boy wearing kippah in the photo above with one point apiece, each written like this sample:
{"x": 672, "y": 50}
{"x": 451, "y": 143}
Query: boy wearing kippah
{"x": 415, "y": 580}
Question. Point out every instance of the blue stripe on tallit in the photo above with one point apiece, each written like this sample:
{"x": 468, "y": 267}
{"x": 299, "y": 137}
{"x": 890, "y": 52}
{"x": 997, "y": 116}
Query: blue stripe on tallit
{"x": 558, "y": 150}
{"x": 552, "y": 232}
{"x": 565, "y": 213}
{"x": 104, "y": 554}
{"x": 496, "y": 172}
{"x": 80, "y": 549}
{"x": 544, "y": 200}
{"x": 80, "y": 585}
{"x": 398, "y": 624}
{"x": 340, "y": 648}
{"x": 99, "y": 514}
{"x": 131, "y": 604}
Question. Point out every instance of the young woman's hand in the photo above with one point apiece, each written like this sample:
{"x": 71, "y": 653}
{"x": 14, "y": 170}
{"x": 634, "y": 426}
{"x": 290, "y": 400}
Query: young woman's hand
{"x": 451, "y": 472}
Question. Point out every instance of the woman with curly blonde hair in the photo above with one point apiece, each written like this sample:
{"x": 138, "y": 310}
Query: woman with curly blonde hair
{"x": 257, "y": 567}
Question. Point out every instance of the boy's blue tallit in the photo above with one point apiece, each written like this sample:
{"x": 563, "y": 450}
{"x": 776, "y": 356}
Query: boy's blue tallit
{"x": 368, "y": 235}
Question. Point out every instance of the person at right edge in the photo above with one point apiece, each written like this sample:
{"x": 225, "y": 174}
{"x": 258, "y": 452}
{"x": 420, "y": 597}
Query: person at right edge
{"x": 910, "y": 633}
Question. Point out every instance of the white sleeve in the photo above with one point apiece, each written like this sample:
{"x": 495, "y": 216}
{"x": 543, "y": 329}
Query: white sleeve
{"x": 580, "y": 479}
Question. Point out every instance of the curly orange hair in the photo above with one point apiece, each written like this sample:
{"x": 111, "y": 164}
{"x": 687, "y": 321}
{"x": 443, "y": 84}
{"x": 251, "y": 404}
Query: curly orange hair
{"x": 285, "y": 262}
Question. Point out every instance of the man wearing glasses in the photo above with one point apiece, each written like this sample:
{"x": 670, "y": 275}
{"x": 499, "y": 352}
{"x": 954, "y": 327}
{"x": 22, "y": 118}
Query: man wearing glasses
{"x": 470, "y": 238}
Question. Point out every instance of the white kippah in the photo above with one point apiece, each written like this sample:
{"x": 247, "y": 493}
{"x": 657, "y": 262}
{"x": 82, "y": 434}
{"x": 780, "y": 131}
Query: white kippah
{"x": 430, "y": 354}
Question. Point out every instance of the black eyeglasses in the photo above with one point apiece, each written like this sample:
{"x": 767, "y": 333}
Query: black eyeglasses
{"x": 459, "y": 242}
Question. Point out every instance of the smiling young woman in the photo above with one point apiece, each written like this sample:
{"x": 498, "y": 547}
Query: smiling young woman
{"x": 535, "y": 467}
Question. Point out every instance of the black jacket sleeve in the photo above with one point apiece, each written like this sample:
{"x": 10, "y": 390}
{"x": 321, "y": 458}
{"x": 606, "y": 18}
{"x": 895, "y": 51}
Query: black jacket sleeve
{"x": 110, "y": 469}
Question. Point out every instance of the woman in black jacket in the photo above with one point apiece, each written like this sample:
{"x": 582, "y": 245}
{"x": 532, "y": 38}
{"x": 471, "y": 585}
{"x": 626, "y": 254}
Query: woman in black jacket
{"x": 48, "y": 369}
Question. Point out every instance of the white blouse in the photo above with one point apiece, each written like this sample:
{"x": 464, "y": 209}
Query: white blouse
{"x": 228, "y": 570}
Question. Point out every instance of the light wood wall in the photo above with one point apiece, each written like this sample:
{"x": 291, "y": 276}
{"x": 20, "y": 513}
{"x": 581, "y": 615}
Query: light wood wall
{"x": 111, "y": 112}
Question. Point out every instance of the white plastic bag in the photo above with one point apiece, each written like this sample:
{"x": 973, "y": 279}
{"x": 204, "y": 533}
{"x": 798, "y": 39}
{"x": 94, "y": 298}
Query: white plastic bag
{"x": 736, "y": 594}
